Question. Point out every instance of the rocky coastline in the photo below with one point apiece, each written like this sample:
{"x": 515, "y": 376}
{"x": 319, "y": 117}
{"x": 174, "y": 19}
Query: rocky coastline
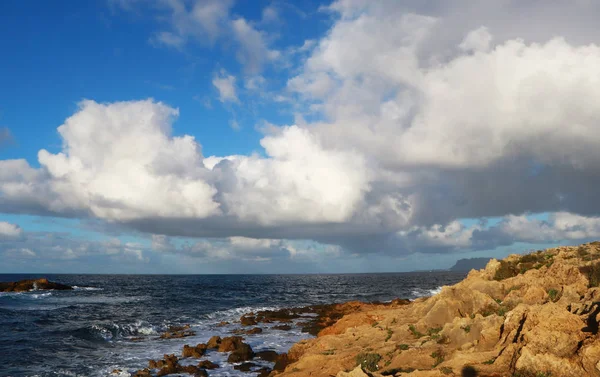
{"x": 534, "y": 315}
{"x": 32, "y": 285}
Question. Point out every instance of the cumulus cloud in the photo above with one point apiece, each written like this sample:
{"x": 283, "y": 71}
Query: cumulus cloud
{"x": 120, "y": 163}
{"x": 225, "y": 84}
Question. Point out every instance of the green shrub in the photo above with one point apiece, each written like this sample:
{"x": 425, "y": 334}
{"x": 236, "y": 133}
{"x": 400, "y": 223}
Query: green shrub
{"x": 414, "y": 331}
{"x": 467, "y": 328}
{"x": 514, "y": 288}
{"x": 490, "y": 361}
{"x": 502, "y": 311}
{"x": 389, "y": 334}
{"x": 553, "y": 294}
{"x": 438, "y": 356}
{"x": 368, "y": 361}
{"x": 592, "y": 272}
{"x": 506, "y": 270}
{"x": 446, "y": 370}
{"x": 403, "y": 347}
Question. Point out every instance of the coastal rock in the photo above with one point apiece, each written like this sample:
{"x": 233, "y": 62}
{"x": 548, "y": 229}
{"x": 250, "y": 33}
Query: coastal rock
{"x": 230, "y": 343}
{"x": 356, "y": 372}
{"x": 243, "y": 352}
{"x": 174, "y": 332}
{"x": 196, "y": 352}
{"x": 213, "y": 342}
{"x": 170, "y": 365}
{"x": 142, "y": 373}
{"x": 248, "y": 320}
{"x": 263, "y": 372}
{"x": 526, "y": 315}
{"x": 267, "y": 355}
{"x": 207, "y": 364}
{"x": 245, "y": 367}
{"x": 34, "y": 284}
{"x": 252, "y": 331}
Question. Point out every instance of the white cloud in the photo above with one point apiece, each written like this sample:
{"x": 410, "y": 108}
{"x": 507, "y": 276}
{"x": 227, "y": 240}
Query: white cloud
{"x": 120, "y": 162}
{"x": 169, "y": 39}
{"x": 270, "y": 14}
{"x": 477, "y": 40}
{"x": 208, "y": 22}
{"x": 254, "y": 51}
{"x": 8, "y": 230}
{"x": 225, "y": 84}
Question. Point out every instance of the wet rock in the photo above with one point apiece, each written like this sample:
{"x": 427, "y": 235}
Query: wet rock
{"x": 142, "y": 373}
{"x": 248, "y": 320}
{"x": 282, "y": 362}
{"x": 268, "y": 355}
{"x": 194, "y": 371}
{"x": 263, "y": 372}
{"x": 252, "y": 331}
{"x": 243, "y": 352}
{"x": 196, "y": 352}
{"x": 175, "y": 332}
{"x": 207, "y": 364}
{"x": 170, "y": 366}
{"x": 245, "y": 367}
{"x": 282, "y": 327}
{"x": 230, "y": 343}
{"x": 223, "y": 323}
{"x": 156, "y": 364}
{"x": 213, "y": 342}
{"x": 33, "y": 284}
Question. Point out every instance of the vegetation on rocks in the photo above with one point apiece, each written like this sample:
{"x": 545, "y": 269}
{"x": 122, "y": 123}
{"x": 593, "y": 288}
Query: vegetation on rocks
{"x": 368, "y": 361}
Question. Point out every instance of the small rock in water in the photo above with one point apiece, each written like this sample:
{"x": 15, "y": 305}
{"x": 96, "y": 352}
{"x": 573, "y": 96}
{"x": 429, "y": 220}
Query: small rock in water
{"x": 268, "y": 355}
{"x": 174, "y": 332}
{"x": 195, "y": 352}
{"x": 245, "y": 367}
{"x": 207, "y": 364}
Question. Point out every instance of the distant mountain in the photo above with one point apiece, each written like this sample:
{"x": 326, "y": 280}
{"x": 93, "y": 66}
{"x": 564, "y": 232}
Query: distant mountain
{"x": 468, "y": 264}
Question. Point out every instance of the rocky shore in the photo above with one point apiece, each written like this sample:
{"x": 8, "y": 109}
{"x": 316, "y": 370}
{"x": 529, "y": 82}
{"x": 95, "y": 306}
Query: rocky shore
{"x": 530, "y": 315}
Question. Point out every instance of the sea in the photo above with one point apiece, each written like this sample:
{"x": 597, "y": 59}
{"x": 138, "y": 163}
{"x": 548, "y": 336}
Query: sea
{"x": 109, "y": 325}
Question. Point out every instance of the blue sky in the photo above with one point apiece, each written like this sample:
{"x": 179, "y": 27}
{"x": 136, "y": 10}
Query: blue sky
{"x": 201, "y": 136}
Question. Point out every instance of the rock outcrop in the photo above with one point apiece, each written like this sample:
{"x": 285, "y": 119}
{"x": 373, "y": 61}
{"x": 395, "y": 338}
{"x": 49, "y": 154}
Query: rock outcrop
{"x": 528, "y": 315}
{"x": 33, "y": 284}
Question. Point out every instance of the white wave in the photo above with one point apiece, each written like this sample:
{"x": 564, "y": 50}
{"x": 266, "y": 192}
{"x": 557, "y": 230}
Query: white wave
{"x": 235, "y": 313}
{"x": 40, "y": 295}
{"x": 421, "y": 292}
{"x": 87, "y": 288}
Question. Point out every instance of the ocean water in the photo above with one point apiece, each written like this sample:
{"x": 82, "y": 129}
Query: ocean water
{"x": 114, "y": 321}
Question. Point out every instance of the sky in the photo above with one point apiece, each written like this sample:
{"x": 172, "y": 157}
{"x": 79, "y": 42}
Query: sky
{"x": 348, "y": 136}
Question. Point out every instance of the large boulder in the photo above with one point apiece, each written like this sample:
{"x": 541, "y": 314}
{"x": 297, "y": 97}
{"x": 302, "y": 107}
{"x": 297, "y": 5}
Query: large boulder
{"x": 243, "y": 352}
